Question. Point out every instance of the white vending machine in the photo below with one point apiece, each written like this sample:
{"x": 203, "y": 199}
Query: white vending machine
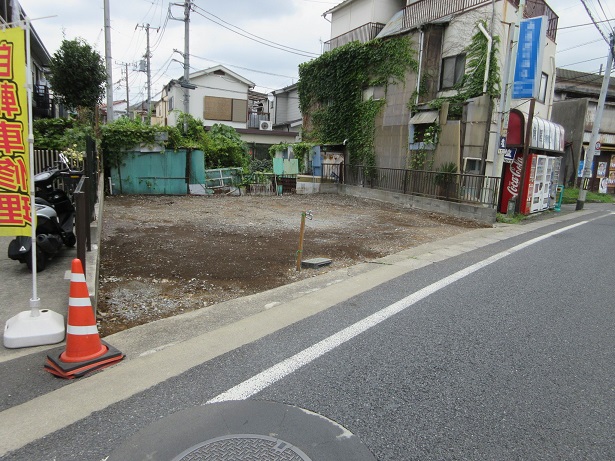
{"x": 540, "y": 192}
{"x": 557, "y": 166}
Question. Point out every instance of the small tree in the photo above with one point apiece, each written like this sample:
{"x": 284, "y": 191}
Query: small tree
{"x": 224, "y": 148}
{"x": 77, "y": 75}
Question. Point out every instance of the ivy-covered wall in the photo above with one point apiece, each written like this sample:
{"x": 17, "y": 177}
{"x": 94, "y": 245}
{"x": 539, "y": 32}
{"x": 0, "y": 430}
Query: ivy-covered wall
{"x": 334, "y": 92}
{"x": 365, "y": 93}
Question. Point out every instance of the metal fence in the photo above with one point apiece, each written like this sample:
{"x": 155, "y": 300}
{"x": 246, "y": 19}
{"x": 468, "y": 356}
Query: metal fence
{"x": 363, "y": 34}
{"x": 426, "y": 11}
{"x": 454, "y": 187}
{"x": 81, "y": 189}
{"x": 86, "y": 164}
{"x": 83, "y": 218}
{"x": 48, "y": 158}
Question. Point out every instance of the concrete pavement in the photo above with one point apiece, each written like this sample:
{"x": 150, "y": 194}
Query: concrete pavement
{"x": 168, "y": 347}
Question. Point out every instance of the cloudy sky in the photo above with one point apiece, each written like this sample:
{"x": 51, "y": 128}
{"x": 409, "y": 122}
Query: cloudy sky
{"x": 264, "y": 41}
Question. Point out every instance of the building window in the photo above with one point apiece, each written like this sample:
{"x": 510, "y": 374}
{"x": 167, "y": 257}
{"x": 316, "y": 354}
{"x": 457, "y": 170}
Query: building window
{"x": 418, "y": 134}
{"x": 542, "y": 92}
{"x": 225, "y": 109}
{"x": 171, "y": 104}
{"x": 453, "y": 70}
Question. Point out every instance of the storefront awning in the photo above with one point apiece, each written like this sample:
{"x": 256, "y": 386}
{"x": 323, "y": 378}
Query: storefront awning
{"x": 546, "y": 135}
{"x": 429, "y": 116}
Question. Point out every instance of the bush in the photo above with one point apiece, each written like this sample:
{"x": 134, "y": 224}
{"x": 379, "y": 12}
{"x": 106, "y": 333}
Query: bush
{"x": 224, "y": 148}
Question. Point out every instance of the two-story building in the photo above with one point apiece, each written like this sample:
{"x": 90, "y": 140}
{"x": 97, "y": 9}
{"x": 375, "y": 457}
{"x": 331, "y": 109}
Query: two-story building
{"x": 285, "y": 112}
{"x": 575, "y": 105}
{"x": 43, "y": 103}
{"x": 439, "y": 33}
{"x": 219, "y": 95}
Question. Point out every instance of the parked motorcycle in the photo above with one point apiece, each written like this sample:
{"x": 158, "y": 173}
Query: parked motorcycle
{"x": 55, "y": 218}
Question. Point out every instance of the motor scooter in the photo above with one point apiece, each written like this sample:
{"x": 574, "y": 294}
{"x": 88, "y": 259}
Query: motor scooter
{"x": 55, "y": 217}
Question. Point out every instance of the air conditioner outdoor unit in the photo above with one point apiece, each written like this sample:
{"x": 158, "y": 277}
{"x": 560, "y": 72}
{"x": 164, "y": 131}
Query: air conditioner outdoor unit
{"x": 264, "y": 125}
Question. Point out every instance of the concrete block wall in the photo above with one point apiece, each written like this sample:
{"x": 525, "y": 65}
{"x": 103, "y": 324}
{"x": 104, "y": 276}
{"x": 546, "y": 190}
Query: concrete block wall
{"x": 481, "y": 214}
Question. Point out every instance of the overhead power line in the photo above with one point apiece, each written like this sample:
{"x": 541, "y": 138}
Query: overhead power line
{"x": 254, "y": 37}
{"x": 242, "y": 68}
{"x": 591, "y": 16}
{"x": 581, "y": 62}
{"x": 578, "y": 46}
{"x": 586, "y": 24}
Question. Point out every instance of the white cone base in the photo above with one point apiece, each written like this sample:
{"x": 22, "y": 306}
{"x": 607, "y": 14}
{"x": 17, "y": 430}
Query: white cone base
{"x": 25, "y": 330}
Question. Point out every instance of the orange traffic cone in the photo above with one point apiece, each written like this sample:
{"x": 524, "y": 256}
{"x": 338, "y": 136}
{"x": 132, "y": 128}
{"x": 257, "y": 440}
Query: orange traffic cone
{"x": 85, "y": 352}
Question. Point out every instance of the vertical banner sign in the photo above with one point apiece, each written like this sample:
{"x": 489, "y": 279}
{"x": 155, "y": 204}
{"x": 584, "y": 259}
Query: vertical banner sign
{"x": 15, "y": 218}
{"x": 528, "y": 68}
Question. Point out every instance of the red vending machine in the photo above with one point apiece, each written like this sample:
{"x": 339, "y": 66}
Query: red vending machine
{"x": 512, "y": 183}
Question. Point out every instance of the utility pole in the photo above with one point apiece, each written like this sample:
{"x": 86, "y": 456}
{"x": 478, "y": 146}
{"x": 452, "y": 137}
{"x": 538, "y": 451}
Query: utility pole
{"x": 127, "y": 94}
{"x": 185, "y": 83}
{"x": 149, "y": 79}
{"x": 590, "y": 152}
{"x": 108, "y": 62}
{"x": 125, "y": 64}
{"x": 149, "y": 74}
{"x": 187, "y": 6}
{"x": 509, "y": 77}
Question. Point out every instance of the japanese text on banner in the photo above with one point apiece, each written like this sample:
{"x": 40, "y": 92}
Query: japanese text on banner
{"x": 15, "y": 218}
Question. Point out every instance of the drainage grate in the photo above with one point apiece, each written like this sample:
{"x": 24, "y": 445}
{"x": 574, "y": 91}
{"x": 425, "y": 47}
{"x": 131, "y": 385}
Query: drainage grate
{"x": 247, "y": 447}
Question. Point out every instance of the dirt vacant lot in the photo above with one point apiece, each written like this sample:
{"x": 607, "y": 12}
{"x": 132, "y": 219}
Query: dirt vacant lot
{"x": 162, "y": 256}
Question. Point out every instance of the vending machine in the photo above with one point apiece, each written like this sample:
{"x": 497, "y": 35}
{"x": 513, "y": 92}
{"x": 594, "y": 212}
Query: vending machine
{"x": 540, "y": 192}
{"x": 527, "y": 194}
{"x": 513, "y": 173}
{"x": 540, "y": 181}
{"x": 557, "y": 166}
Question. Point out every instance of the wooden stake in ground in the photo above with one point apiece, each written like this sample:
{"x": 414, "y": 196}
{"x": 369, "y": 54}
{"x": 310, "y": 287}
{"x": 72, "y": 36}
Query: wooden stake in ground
{"x": 304, "y": 214}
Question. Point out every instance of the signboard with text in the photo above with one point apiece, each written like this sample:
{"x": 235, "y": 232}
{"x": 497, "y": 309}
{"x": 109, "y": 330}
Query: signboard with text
{"x": 509, "y": 156}
{"x": 15, "y": 216}
{"x": 528, "y": 67}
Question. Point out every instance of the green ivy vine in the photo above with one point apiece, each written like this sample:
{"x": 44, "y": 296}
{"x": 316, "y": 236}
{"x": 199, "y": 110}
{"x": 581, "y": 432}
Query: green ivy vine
{"x": 331, "y": 92}
{"x": 423, "y": 158}
{"x": 471, "y": 85}
{"x": 123, "y": 134}
{"x": 301, "y": 151}
{"x": 279, "y": 147}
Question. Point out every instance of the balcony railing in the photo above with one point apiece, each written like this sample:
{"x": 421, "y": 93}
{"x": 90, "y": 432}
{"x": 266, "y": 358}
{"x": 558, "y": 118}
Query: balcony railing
{"x": 362, "y": 34}
{"x": 537, "y": 8}
{"x": 425, "y": 11}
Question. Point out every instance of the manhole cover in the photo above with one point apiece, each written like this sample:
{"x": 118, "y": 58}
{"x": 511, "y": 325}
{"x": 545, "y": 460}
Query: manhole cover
{"x": 246, "y": 447}
{"x": 245, "y": 430}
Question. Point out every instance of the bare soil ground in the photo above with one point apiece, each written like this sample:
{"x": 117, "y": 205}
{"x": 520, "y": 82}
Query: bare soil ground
{"x": 164, "y": 255}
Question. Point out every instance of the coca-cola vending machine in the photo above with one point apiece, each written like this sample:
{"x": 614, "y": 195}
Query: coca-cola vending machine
{"x": 541, "y": 177}
{"x": 512, "y": 183}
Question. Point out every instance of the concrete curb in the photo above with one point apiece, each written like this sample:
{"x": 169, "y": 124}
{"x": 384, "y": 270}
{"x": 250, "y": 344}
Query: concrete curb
{"x": 169, "y": 347}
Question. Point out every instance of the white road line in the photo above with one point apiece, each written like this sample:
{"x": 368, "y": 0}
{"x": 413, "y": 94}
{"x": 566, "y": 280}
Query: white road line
{"x": 273, "y": 374}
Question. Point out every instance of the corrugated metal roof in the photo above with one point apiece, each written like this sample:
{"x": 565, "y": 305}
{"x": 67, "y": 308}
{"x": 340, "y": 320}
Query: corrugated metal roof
{"x": 429, "y": 116}
{"x": 581, "y": 78}
{"x": 394, "y": 26}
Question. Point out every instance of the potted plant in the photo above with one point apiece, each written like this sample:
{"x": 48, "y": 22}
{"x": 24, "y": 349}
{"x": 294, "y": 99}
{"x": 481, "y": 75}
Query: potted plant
{"x": 445, "y": 179}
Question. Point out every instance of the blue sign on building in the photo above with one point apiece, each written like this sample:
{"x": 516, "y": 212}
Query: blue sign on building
{"x": 528, "y": 67}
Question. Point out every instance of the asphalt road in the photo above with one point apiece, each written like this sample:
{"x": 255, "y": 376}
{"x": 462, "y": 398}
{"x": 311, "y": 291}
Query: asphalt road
{"x": 494, "y": 345}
